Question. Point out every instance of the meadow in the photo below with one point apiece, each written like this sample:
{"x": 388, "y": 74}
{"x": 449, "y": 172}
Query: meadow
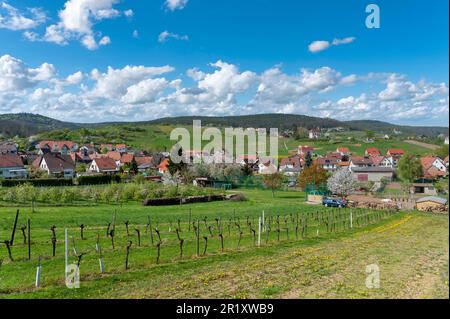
{"x": 155, "y": 137}
{"x": 327, "y": 259}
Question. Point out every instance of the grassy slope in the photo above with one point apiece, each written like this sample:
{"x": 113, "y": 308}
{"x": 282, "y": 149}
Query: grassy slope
{"x": 412, "y": 256}
{"x": 156, "y": 138}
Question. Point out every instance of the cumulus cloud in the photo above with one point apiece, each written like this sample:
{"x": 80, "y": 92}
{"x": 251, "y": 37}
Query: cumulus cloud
{"x": 13, "y": 19}
{"x": 128, "y": 13}
{"x": 76, "y": 22}
{"x": 317, "y": 46}
{"x": 175, "y": 4}
{"x": 165, "y": 35}
{"x": 17, "y": 76}
{"x": 147, "y": 92}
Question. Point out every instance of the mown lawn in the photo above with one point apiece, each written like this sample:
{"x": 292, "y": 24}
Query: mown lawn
{"x": 411, "y": 251}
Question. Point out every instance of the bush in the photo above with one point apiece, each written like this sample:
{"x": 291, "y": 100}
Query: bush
{"x": 98, "y": 179}
{"x": 42, "y": 182}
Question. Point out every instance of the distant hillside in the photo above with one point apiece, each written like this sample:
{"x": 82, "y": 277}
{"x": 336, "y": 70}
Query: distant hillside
{"x": 26, "y": 124}
{"x": 384, "y": 127}
{"x": 280, "y": 121}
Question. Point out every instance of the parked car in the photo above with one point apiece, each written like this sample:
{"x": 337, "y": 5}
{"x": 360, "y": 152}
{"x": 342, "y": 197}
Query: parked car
{"x": 334, "y": 202}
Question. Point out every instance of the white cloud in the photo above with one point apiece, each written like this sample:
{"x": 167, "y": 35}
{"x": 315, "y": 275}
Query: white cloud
{"x": 128, "y": 13}
{"x": 115, "y": 82}
{"x": 146, "y": 92}
{"x": 16, "y": 76}
{"x": 12, "y": 19}
{"x": 317, "y": 46}
{"x": 105, "y": 40}
{"x": 175, "y": 4}
{"x": 136, "y": 34}
{"x": 165, "y": 35}
{"x": 76, "y": 22}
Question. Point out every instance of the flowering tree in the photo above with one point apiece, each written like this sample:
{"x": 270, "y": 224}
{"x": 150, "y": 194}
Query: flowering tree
{"x": 342, "y": 183}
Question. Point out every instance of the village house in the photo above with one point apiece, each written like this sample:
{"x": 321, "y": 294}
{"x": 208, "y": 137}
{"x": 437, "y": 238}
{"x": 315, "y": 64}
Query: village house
{"x": 145, "y": 162}
{"x": 433, "y": 167}
{"x": 266, "y": 166}
{"x": 103, "y": 165}
{"x": 372, "y": 174}
{"x": 8, "y": 148}
{"x": 163, "y": 167}
{"x": 62, "y": 147}
{"x": 126, "y": 159}
{"x": 122, "y": 148}
{"x": 107, "y": 148}
{"x": 382, "y": 161}
{"x": 344, "y": 151}
{"x": 372, "y": 151}
{"x": 305, "y": 149}
{"x": 291, "y": 166}
{"x": 328, "y": 163}
{"x": 115, "y": 155}
{"x": 11, "y": 166}
{"x": 56, "y": 165}
{"x": 360, "y": 161}
{"x": 396, "y": 154}
{"x": 314, "y": 134}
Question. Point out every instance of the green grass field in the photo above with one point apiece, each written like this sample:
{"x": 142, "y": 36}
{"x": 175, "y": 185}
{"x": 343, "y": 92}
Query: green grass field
{"x": 410, "y": 249}
{"x": 156, "y": 138}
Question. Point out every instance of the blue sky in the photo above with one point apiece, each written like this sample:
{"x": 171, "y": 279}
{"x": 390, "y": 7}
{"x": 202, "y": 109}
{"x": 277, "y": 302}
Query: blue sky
{"x": 89, "y": 61}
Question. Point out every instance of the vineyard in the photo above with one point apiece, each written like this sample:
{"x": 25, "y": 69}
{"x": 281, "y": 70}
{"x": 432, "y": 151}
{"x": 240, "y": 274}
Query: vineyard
{"x": 117, "y": 241}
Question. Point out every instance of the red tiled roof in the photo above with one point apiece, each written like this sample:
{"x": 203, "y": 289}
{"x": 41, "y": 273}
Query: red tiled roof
{"x": 105, "y": 163}
{"x": 144, "y": 160}
{"x": 59, "y": 144}
{"x": 395, "y": 151}
{"x": 10, "y": 160}
{"x": 126, "y": 158}
{"x": 377, "y": 159}
{"x": 361, "y": 160}
{"x": 427, "y": 161}
{"x": 343, "y": 150}
{"x": 58, "y": 163}
{"x": 114, "y": 155}
{"x": 372, "y": 151}
{"x": 163, "y": 165}
{"x": 295, "y": 161}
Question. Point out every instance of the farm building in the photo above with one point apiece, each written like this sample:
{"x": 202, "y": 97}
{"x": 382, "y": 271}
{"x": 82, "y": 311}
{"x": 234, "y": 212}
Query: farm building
{"x": 431, "y": 203}
{"x": 423, "y": 188}
{"x": 372, "y": 174}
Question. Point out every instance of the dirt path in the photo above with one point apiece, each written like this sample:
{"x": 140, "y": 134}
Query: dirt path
{"x": 421, "y": 144}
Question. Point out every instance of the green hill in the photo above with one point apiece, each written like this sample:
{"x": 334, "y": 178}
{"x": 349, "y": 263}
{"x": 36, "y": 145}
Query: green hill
{"x": 26, "y": 124}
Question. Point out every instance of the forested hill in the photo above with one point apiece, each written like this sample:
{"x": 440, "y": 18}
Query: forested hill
{"x": 26, "y": 124}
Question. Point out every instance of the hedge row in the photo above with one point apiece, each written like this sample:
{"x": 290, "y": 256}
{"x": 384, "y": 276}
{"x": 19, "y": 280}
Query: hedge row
{"x": 180, "y": 200}
{"x": 37, "y": 182}
{"x": 48, "y": 182}
{"x": 98, "y": 179}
